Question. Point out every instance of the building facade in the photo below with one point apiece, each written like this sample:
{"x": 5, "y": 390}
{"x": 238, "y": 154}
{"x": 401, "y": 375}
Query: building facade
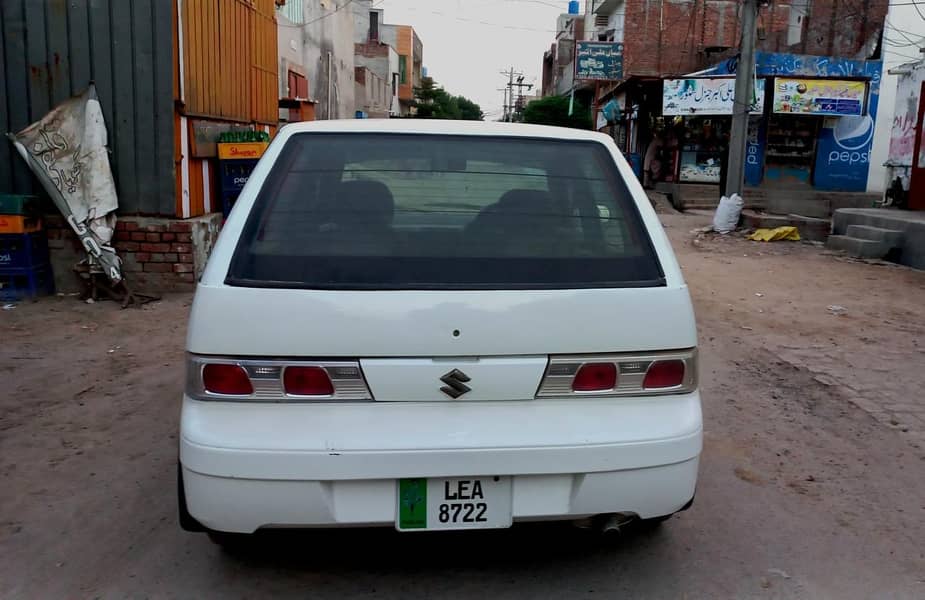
{"x": 682, "y": 54}
{"x": 410, "y": 52}
{"x": 891, "y": 156}
{"x": 316, "y": 46}
{"x": 171, "y": 77}
{"x": 375, "y": 55}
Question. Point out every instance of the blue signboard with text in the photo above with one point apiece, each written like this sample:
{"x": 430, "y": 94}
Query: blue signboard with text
{"x": 599, "y": 61}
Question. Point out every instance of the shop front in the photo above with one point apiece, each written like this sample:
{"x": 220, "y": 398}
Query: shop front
{"x": 801, "y": 110}
{"x": 817, "y": 126}
{"x": 804, "y": 132}
{"x": 695, "y": 127}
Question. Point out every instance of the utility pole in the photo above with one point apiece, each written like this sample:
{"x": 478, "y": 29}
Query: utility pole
{"x": 745, "y": 83}
{"x": 519, "y": 104}
{"x": 509, "y": 95}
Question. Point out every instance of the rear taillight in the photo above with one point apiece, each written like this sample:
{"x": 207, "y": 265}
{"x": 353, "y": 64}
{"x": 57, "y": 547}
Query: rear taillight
{"x": 282, "y": 380}
{"x": 226, "y": 379}
{"x": 620, "y": 375}
{"x": 595, "y": 377}
{"x": 307, "y": 381}
{"x": 664, "y": 374}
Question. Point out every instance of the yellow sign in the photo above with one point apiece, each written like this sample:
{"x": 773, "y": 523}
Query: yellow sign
{"x": 833, "y": 97}
{"x": 234, "y": 150}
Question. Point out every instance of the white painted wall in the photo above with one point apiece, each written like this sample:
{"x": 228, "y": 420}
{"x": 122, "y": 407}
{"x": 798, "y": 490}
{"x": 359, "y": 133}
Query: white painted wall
{"x": 904, "y": 34}
{"x": 324, "y": 40}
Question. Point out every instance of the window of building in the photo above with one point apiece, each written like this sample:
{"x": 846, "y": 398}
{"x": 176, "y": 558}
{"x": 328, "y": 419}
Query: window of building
{"x": 403, "y": 69}
{"x": 298, "y": 85}
{"x": 373, "y": 26}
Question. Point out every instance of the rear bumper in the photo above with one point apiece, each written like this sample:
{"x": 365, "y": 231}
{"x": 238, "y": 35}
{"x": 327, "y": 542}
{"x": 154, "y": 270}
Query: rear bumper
{"x": 250, "y": 466}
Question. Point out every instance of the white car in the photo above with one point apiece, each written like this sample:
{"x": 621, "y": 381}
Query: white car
{"x": 435, "y": 325}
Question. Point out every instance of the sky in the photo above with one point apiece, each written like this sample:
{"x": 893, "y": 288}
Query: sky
{"x": 467, "y": 43}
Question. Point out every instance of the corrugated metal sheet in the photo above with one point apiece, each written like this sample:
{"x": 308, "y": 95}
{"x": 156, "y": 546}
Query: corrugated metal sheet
{"x": 52, "y": 49}
{"x": 229, "y": 53}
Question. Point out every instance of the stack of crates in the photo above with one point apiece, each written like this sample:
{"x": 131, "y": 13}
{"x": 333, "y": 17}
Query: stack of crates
{"x": 25, "y": 268}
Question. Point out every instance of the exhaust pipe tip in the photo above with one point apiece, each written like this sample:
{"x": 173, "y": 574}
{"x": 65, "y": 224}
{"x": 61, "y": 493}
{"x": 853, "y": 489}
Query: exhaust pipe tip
{"x": 614, "y": 523}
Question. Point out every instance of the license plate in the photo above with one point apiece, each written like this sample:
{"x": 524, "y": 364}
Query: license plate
{"x": 454, "y": 503}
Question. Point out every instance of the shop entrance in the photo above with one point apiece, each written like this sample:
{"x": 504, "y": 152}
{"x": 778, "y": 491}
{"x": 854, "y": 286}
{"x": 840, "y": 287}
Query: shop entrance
{"x": 791, "y": 149}
{"x": 701, "y": 148}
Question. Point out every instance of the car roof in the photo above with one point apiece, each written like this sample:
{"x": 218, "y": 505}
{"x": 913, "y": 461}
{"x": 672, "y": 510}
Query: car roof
{"x": 443, "y": 127}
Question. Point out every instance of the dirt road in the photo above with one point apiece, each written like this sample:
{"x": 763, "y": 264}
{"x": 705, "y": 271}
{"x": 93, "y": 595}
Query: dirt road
{"x": 812, "y": 480}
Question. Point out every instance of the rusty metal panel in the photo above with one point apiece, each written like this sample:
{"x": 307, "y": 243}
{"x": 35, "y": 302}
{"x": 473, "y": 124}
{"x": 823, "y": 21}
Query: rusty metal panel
{"x": 52, "y": 49}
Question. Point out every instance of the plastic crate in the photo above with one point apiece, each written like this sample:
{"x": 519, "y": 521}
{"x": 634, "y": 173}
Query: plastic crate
{"x": 16, "y": 284}
{"x": 16, "y": 204}
{"x": 23, "y": 250}
{"x": 19, "y": 224}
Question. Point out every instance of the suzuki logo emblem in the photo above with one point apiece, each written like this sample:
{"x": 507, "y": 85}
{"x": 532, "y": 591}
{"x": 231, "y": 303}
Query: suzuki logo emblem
{"x": 455, "y": 382}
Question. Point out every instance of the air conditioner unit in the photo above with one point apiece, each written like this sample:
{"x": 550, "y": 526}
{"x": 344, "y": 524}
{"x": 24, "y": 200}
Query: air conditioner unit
{"x": 601, "y": 21}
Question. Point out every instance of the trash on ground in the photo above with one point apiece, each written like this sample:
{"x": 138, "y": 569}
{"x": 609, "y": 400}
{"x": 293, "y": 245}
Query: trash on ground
{"x": 9, "y": 306}
{"x": 759, "y": 294}
{"x": 835, "y": 309}
{"x": 787, "y": 232}
{"x": 726, "y": 218}
{"x": 780, "y": 572}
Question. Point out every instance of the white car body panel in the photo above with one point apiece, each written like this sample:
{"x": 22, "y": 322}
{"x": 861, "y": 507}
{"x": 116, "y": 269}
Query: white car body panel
{"x": 248, "y": 465}
{"x": 277, "y": 322}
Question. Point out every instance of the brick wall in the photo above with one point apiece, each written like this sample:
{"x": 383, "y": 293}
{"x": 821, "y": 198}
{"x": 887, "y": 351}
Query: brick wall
{"x": 158, "y": 255}
{"x": 156, "y": 248}
{"x": 672, "y": 37}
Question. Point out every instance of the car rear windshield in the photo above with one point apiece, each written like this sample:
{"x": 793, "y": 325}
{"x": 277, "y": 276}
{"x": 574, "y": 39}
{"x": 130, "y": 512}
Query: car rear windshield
{"x": 416, "y": 211}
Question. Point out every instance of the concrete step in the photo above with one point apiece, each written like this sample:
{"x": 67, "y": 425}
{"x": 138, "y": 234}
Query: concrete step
{"x": 858, "y": 247}
{"x": 810, "y": 228}
{"x": 892, "y": 237}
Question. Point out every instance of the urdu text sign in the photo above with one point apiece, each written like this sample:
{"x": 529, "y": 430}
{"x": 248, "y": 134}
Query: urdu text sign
{"x": 599, "y": 61}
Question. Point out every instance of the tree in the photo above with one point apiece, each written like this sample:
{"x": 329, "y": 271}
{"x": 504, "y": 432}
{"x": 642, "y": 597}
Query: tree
{"x": 553, "y": 110}
{"x": 433, "y": 102}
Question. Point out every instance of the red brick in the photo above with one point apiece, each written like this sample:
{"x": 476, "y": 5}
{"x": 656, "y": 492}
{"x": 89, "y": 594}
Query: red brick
{"x": 182, "y": 268}
{"x": 168, "y": 257}
{"x": 120, "y": 225}
{"x": 123, "y": 236}
{"x": 153, "y": 267}
{"x": 181, "y": 248}
{"x": 185, "y": 258}
{"x": 157, "y": 257}
{"x": 155, "y": 228}
{"x": 153, "y": 237}
{"x": 184, "y": 238}
{"x": 168, "y": 237}
{"x": 155, "y": 247}
{"x": 138, "y": 236}
{"x": 128, "y": 246}
{"x": 180, "y": 227}
{"x": 142, "y": 257}
{"x": 130, "y": 225}
{"x": 186, "y": 277}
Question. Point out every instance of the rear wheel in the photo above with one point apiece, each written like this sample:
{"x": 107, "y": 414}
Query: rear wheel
{"x": 232, "y": 543}
{"x": 654, "y": 522}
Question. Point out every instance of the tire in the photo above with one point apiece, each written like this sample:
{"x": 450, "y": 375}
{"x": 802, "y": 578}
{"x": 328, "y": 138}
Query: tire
{"x": 654, "y": 522}
{"x": 232, "y": 543}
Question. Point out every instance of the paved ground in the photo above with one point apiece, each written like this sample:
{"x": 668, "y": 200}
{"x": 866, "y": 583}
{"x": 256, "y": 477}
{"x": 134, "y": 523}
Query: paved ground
{"x": 811, "y": 483}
